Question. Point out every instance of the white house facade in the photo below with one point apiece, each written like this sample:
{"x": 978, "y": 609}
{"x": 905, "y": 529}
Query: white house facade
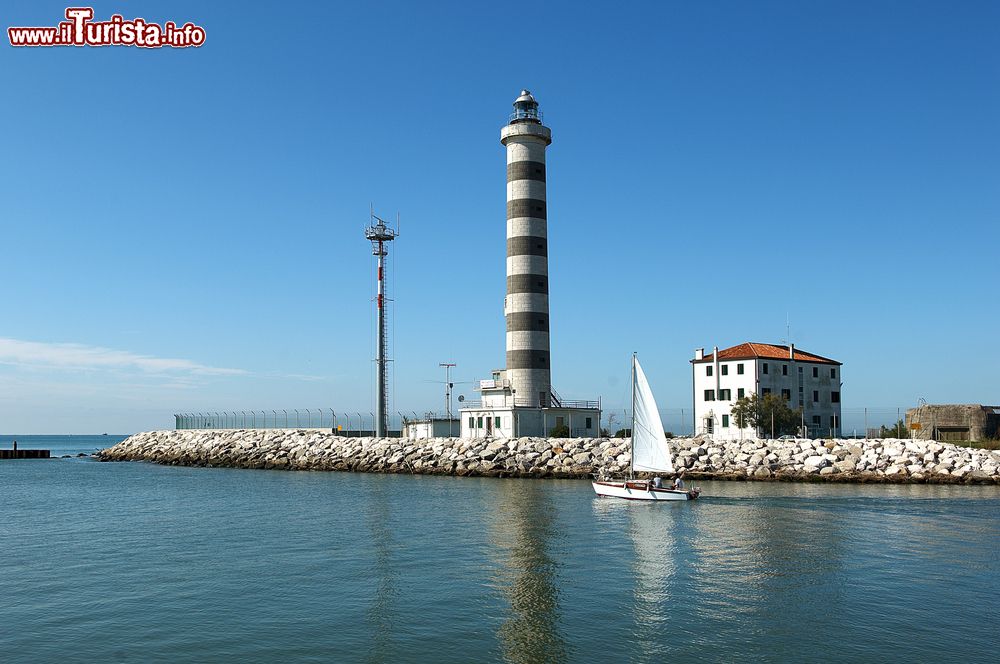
{"x": 808, "y": 382}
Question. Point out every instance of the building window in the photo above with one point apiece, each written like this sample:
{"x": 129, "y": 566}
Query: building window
{"x": 833, "y": 421}
{"x": 833, "y": 373}
{"x": 725, "y": 420}
{"x": 765, "y": 367}
{"x": 496, "y": 422}
{"x": 739, "y": 368}
{"x": 708, "y": 370}
{"x": 786, "y": 394}
{"x": 784, "y": 369}
{"x": 709, "y": 395}
{"x": 740, "y": 393}
{"x": 589, "y": 422}
{"x": 816, "y": 420}
{"x": 472, "y": 423}
{"x": 815, "y": 396}
{"x": 709, "y": 425}
{"x": 766, "y": 390}
{"x": 725, "y": 395}
{"x": 835, "y": 397}
{"x": 725, "y": 369}
{"x": 479, "y": 422}
{"x": 815, "y": 372}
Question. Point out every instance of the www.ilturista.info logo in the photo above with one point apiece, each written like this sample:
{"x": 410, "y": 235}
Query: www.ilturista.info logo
{"x": 81, "y": 30}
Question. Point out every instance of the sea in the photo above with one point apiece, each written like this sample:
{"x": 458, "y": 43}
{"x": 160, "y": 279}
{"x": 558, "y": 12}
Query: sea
{"x": 136, "y": 562}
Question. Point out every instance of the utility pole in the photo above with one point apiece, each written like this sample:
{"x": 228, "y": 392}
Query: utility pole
{"x": 447, "y": 391}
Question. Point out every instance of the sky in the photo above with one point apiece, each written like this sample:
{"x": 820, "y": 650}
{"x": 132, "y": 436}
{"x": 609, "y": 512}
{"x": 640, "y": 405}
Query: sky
{"x": 183, "y": 228}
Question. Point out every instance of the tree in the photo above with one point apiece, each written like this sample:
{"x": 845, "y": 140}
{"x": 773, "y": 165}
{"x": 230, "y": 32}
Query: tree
{"x": 559, "y": 431}
{"x": 898, "y": 430}
{"x": 760, "y": 412}
{"x": 611, "y": 421}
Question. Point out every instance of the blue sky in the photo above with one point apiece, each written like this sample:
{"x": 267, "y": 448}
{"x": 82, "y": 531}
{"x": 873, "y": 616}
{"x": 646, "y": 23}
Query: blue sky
{"x": 183, "y": 228}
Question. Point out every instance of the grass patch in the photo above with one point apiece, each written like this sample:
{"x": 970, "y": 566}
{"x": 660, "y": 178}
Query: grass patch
{"x": 977, "y": 444}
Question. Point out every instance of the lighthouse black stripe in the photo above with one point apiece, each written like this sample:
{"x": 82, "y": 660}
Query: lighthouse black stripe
{"x": 527, "y": 359}
{"x": 526, "y": 207}
{"x": 527, "y": 321}
{"x": 527, "y": 283}
{"x": 527, "y": 245}
{"x": 526, "y": 170}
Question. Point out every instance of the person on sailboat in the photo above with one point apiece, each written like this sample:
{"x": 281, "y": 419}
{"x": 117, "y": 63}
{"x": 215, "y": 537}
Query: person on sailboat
{"x": 657, "y": 482}
{"x": 679, "y": 482}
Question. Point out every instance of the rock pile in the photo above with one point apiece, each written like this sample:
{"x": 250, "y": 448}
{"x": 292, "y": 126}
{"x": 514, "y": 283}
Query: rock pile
{"x": 310, "y": 449}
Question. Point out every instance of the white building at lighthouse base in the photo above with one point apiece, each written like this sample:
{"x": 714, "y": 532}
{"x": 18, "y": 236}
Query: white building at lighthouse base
{"x": 501, "y": 415}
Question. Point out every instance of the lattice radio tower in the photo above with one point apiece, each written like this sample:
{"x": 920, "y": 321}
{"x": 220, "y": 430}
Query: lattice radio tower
{"x": 380, "y": 235}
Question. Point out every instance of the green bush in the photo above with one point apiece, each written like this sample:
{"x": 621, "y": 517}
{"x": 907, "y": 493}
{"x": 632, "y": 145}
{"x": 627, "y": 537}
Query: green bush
{"x": 559, "y": 431}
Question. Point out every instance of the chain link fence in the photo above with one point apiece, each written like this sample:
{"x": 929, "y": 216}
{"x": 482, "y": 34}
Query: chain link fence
{"x": 354, "y": 424}
{"x": 857, "y": 422}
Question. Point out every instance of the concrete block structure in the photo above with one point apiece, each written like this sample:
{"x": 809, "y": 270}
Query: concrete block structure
{"x": 954, "y": 422}
{"x": 519, "y": 399}
{"x": 805, "y": 380}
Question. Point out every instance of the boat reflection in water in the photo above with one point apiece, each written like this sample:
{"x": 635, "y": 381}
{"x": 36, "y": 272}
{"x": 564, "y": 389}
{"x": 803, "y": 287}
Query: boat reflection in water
{"x": 654, "y": 567}
{"x": 523, "y": 535}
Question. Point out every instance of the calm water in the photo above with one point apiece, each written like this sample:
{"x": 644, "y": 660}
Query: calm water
{"x": 136, "y": 562}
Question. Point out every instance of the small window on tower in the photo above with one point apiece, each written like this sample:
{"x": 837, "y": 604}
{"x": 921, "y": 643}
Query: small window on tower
{"x": 815, "y": 372}
{"x": 765, "y": 367}
{"x": 815, "y": 396}
{"x": 784, "y": 369}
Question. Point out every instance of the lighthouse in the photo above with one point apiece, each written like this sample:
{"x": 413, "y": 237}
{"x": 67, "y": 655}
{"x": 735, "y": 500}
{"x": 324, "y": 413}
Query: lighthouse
{"x": 526, "y": 305}
{"x": 519, "y": 400}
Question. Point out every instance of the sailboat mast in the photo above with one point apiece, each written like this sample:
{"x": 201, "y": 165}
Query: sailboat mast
{"x": 631, "y": 464}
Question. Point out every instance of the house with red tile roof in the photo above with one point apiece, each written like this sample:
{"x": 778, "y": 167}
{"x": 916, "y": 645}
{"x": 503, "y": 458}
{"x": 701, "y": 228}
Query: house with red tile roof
{"x": 809, "y": 382}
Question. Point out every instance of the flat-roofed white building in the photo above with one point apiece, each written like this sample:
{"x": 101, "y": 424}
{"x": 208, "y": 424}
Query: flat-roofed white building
{"x": 431, "y": 427}
{"x": 805, "y": 380}
{"x": 501, "y": 415}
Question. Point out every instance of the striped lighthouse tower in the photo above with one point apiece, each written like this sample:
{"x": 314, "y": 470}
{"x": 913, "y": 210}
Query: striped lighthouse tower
{"x": 526, "y": 306}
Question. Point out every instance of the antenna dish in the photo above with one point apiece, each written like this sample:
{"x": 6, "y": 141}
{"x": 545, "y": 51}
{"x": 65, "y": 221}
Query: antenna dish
{"x": 461, "y": 398}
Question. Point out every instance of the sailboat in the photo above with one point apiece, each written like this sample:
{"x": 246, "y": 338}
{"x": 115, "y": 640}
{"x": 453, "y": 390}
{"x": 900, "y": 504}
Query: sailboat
{"x": 650, "y": 452}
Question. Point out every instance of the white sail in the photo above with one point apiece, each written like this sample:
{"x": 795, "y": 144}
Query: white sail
{"x": 649, "y": 444}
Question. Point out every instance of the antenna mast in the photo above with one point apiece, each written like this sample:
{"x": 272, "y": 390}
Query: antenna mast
{"x": 380, "y": 235}
{"x": 447, "y": 390}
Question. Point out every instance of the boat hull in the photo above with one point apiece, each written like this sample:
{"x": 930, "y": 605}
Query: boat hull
{"x": 639, "y": 490}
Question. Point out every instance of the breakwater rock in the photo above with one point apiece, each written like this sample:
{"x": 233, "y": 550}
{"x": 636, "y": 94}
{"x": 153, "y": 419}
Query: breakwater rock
{"x": 887, "y": 460}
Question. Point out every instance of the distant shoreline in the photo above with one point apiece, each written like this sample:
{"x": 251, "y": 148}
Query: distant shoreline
{"x": 887, "y": 461}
